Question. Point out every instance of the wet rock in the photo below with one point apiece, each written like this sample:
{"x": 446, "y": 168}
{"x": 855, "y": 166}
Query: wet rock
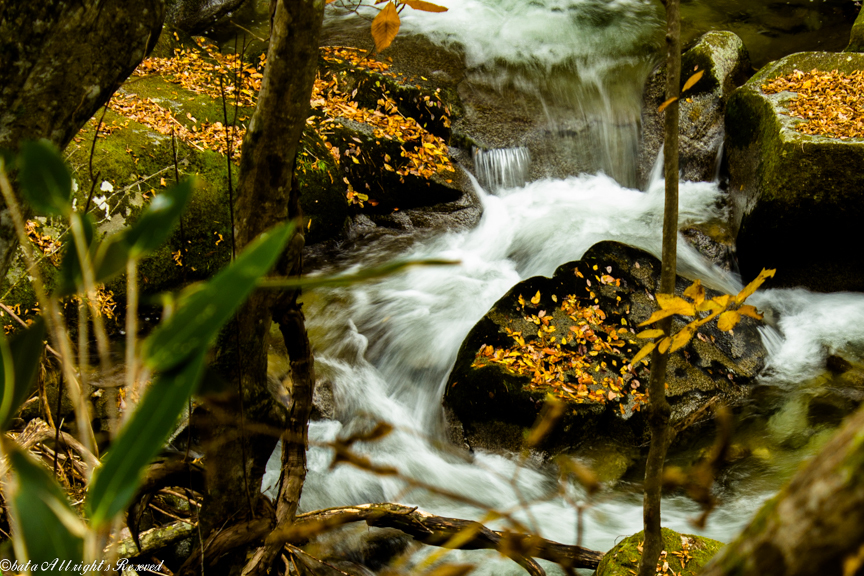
{"x": 724, "y": 59}
{"x": 199, "y": 16}
{"x": 573, "y": 335}
{"x": 685, "y": 553}
{"x": 796, "y": 204}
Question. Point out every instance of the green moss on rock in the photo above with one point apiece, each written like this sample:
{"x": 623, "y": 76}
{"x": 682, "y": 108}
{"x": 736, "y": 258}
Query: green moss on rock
{"x": 685, "y": 553}
{"x": 796, "y": 204}
{"x": 856, "y": 37}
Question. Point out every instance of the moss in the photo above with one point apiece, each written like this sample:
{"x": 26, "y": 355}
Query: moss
{"x": 795, "y": 199}
{"x": 856, "y": 37}
{"x": 623, "y": 559}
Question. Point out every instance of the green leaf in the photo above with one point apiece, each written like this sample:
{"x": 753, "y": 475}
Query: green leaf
{"x": 45, "y": 180}
{"x": 45, "y": 525}
{"x": 150, "y": 231}
{"x": 202, "y": 312}
{"x": 308, "y": 282}
{"x": 26, "y": 349}
{"x": 116, "y": 481}
{"x": 71, "y": 277}
{"x": 157, "y": 222}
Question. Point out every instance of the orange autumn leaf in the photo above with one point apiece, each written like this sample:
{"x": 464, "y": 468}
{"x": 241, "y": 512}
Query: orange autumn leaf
{"x": 385, "y": 26}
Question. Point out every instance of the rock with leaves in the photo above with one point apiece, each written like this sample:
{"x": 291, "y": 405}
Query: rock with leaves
{"x": 575, "y": 336}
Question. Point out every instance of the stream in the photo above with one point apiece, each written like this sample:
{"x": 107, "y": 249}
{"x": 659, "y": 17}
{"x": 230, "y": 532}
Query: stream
{"x": 387, "y": 346}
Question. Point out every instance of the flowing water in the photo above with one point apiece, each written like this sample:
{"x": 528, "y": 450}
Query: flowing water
{"x": 387, "y": 346}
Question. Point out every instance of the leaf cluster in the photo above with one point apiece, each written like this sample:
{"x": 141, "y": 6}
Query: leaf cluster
{"x": 727, "y": 309}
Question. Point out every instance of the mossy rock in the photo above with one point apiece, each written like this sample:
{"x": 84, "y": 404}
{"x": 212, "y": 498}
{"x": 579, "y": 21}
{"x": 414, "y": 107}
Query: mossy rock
{"x": 429, "y": 107}
{"x": 726, "y": 65}
{"x": 796, "y": 203}
{"x": 685, "y": 553}
{"x": 609, "y": 289}
{"x": 856, "y": 37}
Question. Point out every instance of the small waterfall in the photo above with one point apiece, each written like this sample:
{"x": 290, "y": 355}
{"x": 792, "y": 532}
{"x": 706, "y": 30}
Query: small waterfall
{"x": 502, "y": 168}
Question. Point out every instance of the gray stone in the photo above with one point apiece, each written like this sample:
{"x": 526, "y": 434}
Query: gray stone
{"x": 611, "y": 290}
{"x": 724, "y": 59}
{"x": 796, "y": 203}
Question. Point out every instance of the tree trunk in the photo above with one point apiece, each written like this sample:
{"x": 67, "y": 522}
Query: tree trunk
{"x": 659, "y": 411}
{"x": 267, "y": 196}
{"x": 59, "y": 63}
{"x": 815, "y": 525}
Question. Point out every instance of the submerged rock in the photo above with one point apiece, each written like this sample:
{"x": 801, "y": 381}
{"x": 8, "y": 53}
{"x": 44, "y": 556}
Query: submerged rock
{"x": 686, "y": 554}
{"x": 796, "y": 203}
{"x": 724, "y": 59}
{"x": 572, "y": 336}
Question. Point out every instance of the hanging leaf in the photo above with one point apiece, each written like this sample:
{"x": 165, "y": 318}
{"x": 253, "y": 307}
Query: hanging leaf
{"x": 695, "y": 292}
{"x": 25, "y": 350}
{"x": 747, "y": 310}
{"x": 71, "y": 276}
{"x": 728, "y": 320}
{"x": 385, "y": 26}
{"x": 643, "y": 353}
{"x": 151, "y": 230}
{"x": 45, "y": 525}
{"x": 681, "y": 339}
{"x": 45, "y": 180}
{"x": 666, "y": 104}
{"x": 664, "y": 344}
{"x": 656, "y": 333}
{"x": 754, "y": 285}
{"x": 692, "y": 80}
{"x": 707, "y": 305}
{"x": 424, "y": 6}
{"x": 679, "y": 305}
{"x": 658, "y": 315}
{"x": 116, "y": 481}
{"x": 203, "y": 310}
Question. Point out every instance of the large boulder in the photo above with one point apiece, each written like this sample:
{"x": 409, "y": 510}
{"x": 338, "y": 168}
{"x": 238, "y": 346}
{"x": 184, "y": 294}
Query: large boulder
{"x": 856, "y": 37}
{"x": 726, "y": 65}
{"x": 685, "y": 554}
{"x": 572, "y": 336}
{"x": 796, "y": 198}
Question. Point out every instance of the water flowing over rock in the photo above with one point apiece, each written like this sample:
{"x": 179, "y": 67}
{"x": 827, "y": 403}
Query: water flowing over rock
{"x": 724, "y": 59}
{"x": 572, "y": 336}
{"x": 502, "y": 167}
{"x": 796, "y": 203}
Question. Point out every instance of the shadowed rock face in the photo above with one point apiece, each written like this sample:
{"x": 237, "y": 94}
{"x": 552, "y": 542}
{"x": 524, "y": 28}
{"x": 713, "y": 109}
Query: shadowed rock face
{"x": 796, "y": 203}
{"x": 723, "y": 58}
{"x": 577, "y": 329}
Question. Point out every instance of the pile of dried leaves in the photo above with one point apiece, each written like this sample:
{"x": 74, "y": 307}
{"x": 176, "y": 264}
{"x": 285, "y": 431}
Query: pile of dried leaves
{"x": 831, "y": 102}
{"x": 209, "y": 72}
{"x": 563, "y": 358}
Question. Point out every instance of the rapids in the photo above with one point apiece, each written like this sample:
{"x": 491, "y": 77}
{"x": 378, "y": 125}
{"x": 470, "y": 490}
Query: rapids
{"x": 387, "y": 346}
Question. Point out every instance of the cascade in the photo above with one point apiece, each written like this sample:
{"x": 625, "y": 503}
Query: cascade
{"x": 502, "y": 168}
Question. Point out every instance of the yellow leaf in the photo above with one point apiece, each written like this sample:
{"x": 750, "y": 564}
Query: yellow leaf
{"x": 536, "y": 299}
{"x": 643, "y": 353}
{"x": 385, "y": 26}
{"x": 695, "y": 292}
{"x": 754, "y": 285}
{"x": 663, "y": 346}
{"x": 692, "y": 80}
{"x": 424, "y": 6}
{"x": 747, "y": 310}
{"x": 708, "y": 305}
{"x": 722, "y": 301}
{"x": 162, "y": 182}
{"x": 658, "y": 315}
{"x": 676, "y": 304}
{"x": 665, "y": 104}
{"x": 650, "y": 334}
{"x": 681, "y": 339}
{"x": 728, "y": 320}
